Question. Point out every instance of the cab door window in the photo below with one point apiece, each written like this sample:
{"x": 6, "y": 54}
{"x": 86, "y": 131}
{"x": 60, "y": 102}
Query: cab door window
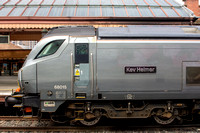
{"x": 81, "y": 53}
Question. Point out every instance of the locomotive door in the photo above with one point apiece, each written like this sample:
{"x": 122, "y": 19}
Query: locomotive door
{"x": 82, "y": 68}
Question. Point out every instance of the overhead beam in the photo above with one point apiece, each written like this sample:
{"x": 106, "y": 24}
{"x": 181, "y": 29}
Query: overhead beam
{"x": 97, "y": 20}
{"x": 25, "y": 36}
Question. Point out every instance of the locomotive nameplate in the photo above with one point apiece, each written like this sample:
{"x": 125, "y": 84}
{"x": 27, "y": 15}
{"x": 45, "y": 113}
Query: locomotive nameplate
{"x": 140, "y": 69}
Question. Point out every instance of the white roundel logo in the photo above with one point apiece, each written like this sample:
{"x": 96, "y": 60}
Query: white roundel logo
{"x": 60, "y": 87}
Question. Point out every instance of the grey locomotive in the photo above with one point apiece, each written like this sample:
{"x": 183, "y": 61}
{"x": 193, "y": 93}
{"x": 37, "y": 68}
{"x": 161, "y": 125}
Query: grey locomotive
{"x": 82, "y": 73}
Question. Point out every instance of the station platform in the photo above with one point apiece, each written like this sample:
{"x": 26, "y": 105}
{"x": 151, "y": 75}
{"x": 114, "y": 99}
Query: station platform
{"x": 8, "y": 84}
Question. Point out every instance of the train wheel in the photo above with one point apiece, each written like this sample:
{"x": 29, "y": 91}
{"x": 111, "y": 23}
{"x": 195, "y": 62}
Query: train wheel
{"x": 164, "y": 120}
{"x": 91, "y": 119}
{"x": 90, "y": 122}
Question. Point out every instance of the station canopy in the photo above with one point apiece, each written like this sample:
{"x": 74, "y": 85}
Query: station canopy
{"x": 93, "y": 8}
{"x": 91, "y": 11}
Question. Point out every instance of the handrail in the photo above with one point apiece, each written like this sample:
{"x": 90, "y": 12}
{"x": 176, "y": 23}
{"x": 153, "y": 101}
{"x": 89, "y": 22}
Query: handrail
{"x": 92, "y": 75}
{"x": 72, "y": 75}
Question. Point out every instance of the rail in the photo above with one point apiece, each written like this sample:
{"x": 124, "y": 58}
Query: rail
{"x": 54, "y": 128}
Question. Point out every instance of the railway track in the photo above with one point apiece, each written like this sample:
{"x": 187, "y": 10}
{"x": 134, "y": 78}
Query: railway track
{"x": 100, "y": 129}
{"x": 16, "y": 118}
{"x": 19, "y": 124}
{"x": 15, "y": 121}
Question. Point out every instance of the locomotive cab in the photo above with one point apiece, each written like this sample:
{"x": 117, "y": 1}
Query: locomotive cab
{"x": 40, "y": 80}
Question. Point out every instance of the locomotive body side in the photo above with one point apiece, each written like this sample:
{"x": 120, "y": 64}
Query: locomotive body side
{"x": 147, "y": 70}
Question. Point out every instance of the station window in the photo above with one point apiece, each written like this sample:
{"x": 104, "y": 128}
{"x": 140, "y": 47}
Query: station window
{"x": 4, "y": 39}
{"x": 193, "y": 75}
{"x": 50, "y": 48}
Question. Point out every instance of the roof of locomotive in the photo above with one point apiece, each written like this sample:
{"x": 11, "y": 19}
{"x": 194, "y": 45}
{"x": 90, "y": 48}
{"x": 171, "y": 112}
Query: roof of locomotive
{"x": 71, "y": 31}
{"x": 131, "y": 31}
{"x": 149, "y": 31}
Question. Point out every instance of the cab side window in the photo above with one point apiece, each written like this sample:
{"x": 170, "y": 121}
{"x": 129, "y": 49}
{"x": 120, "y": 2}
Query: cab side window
{"x": 193, "y": 76}
{"x": 50, "y": 48}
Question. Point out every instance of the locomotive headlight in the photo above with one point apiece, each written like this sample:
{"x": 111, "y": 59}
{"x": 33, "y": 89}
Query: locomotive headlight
{"x": 18, "y": 89}
{"x": 49, "y": 93}
{"x": 20, "y": 79}
{"x": 18, "y": 84}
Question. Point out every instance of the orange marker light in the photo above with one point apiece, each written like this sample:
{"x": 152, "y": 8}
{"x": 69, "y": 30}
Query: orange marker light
{"x": 28, "y": 109}
{"x": 17, "y": 90}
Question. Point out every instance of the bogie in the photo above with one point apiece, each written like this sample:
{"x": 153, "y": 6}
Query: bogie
{"x": 89, "y": 113}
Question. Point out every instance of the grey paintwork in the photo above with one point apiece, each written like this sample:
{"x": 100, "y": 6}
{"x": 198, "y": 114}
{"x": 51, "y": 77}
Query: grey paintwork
{"x": 105, "y": 70}
{"x": 29, "y": 79}
{"x": 167, "y": 57}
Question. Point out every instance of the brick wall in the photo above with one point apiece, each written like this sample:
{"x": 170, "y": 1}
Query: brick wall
{"x": 194, "y": 6}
